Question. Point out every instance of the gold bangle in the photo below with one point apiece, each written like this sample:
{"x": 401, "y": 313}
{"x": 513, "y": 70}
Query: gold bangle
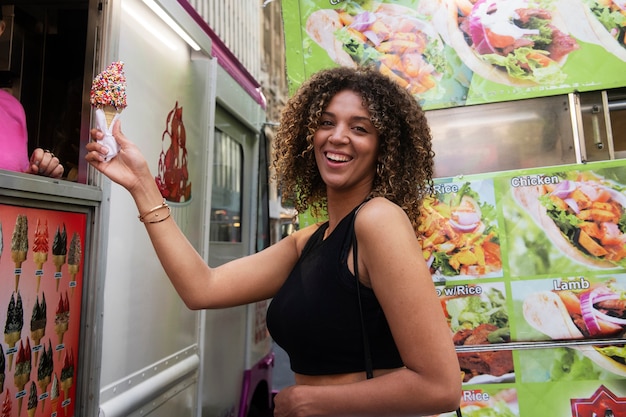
{"x": 156, "y": 220}
{"x": 142, "y": 217}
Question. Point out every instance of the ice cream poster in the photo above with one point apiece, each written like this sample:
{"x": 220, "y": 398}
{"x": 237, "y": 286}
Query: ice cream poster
{"x": 451, "y": 53}
{"x": 41, "y": 271}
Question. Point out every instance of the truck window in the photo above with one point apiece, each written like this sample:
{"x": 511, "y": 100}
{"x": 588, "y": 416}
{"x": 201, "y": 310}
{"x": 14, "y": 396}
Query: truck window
{"x": 227, "y": 186}
{"x": 42, "y": 64}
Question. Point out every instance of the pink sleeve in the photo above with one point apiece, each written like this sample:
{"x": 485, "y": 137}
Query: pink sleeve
{"x": 13, "y": 135}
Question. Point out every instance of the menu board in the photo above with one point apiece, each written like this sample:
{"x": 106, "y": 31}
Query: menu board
{"x": 451, "y": 53}
{"x": 534, "y": 256}
{"x": 41, "y": 275}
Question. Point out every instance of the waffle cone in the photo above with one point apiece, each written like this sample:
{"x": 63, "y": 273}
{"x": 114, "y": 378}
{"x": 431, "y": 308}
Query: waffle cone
{"x": 109, "y": 114}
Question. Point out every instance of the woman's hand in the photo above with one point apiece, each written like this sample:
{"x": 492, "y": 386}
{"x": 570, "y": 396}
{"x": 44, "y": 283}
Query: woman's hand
{"x": 288, "y": 403}
{"x": 43, "y": 162}
{"x": 128, "y": 168}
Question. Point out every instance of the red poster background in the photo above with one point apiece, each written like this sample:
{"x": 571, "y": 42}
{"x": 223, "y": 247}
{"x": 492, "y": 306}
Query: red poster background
{"x": 65, "y": 354}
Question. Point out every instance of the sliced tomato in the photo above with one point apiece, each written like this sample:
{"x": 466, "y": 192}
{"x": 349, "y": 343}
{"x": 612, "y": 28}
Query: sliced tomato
{"x": 571, "y": 301}
{"x": 499, "y": 41}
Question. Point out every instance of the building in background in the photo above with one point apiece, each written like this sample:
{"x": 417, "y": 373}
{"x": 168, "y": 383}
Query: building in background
{"x": 253, "y": 32}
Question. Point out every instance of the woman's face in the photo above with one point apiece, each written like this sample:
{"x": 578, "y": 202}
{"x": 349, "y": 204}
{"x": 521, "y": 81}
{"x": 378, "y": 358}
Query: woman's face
{"x": 346, "y": 143}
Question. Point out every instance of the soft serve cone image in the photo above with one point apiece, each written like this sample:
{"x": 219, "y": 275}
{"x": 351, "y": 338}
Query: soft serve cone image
{"x": 59, "y": 252}
{"x": 6, "y": 404}
{"x": 44, "y": 371}
{"x": 32, "y": 400}
{"x": 67, "y": 376}
{"x": 14, "y": 324}
{"x": 40, "y": 249}
{"x": 38, "y": 322}
{"x": 19, "y": 245}
{"x": 73, "y": 259}
{"x": 22, "y": 371}
{"x": 108, "y": 98}
{"x": 54, "y": 393}
{"x": 62, "y": 318}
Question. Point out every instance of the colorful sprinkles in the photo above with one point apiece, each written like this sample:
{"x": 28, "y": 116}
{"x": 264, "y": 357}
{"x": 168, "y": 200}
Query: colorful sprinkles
{"x": 109, "y": 87}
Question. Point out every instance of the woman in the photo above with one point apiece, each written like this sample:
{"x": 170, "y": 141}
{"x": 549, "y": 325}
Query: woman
{"x": 14, "y": 138}
{"x": 347, "y": 137}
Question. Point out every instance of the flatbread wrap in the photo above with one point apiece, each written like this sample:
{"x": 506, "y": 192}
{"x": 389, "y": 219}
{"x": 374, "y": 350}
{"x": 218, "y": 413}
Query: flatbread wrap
{"x": 400, "y": 41}
{"x": 596, "y": 312}
{"x": 607, "y": 19}
{"x": 583, "y": 217}
{"x": 511, "y": 42}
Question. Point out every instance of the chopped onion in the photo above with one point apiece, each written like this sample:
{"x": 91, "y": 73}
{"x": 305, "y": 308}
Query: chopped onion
{"x": 572, "y": 204}
{"x": 587, "y": 310}
{"x": 617, "y": 196}
{"x": 564, "y": 189}
{"x": 373, "y": 37}
{"x": 466, "y": 217}
{"x": 610, "y": 319}
{"x": 477, "y": 33}
{"x": 363, "y": 21}
{"x": 462, "y": 227}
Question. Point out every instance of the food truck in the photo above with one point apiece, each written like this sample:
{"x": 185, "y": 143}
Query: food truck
{"x": 524, "y": 233}
{"x": 92, "y": 326}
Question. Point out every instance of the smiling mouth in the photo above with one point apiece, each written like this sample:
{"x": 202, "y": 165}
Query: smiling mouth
{"x": 337, "y": 157}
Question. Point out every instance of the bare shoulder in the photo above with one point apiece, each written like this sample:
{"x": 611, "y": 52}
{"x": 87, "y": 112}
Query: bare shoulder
{"x": 302, "y": 236}
{"x": 381, "y": 214}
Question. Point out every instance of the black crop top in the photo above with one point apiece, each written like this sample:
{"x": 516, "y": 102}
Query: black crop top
{"x": 314, "y": 316}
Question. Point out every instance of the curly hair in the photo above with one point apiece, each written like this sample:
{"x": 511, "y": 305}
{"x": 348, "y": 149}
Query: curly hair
{"x": 405, "y": 155}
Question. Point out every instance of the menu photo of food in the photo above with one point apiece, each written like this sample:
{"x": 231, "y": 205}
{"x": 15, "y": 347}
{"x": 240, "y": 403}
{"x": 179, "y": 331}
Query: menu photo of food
{"x": 514, "y": 42}
{"x": 600, "y": 21}
{"x": 478, "y": 316}
{"x": 574, "y": 308}
{"x": 487, "y": 401}
{"x": 401, "y": 41}
{"x": 41, "y": 317}
{"x": 567, "y": 220}
{"x": 459, "y": 231}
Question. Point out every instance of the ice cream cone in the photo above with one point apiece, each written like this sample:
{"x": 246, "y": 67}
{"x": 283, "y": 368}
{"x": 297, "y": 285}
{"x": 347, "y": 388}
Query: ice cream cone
{"x": 18, "y": 265}
{"x": 19, "y": 245}
{"x": 11, "y": 339}
{"x": 59, "y": 253}
{"x": 54, "y": 393}
{"x": 109, "y": 113}
{"x": 73, "y": 270}
{"x": 31, "y": 412}
{"x": 58, "y": 261}
{"x": 61, "y": 334}
{"x": 7, "y": 404}
{"x": 42, "y": 386}
{"x": 39, "y": 267}
{"x": 40, "y": 258}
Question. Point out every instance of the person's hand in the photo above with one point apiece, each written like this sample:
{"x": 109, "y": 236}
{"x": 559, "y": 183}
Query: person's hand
{"x": 127, "y": 168}
{"x": 43, "y": 162}
{"x": 291, "y": 402}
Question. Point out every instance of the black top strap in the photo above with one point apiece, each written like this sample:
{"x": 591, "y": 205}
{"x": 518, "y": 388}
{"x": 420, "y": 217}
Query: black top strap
{"x": 369, "y": 372}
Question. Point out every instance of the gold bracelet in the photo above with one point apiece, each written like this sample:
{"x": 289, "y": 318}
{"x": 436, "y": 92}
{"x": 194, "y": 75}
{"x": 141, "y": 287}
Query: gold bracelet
{"x": 142, "y": 217}
{"x": 156, "y": 220}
